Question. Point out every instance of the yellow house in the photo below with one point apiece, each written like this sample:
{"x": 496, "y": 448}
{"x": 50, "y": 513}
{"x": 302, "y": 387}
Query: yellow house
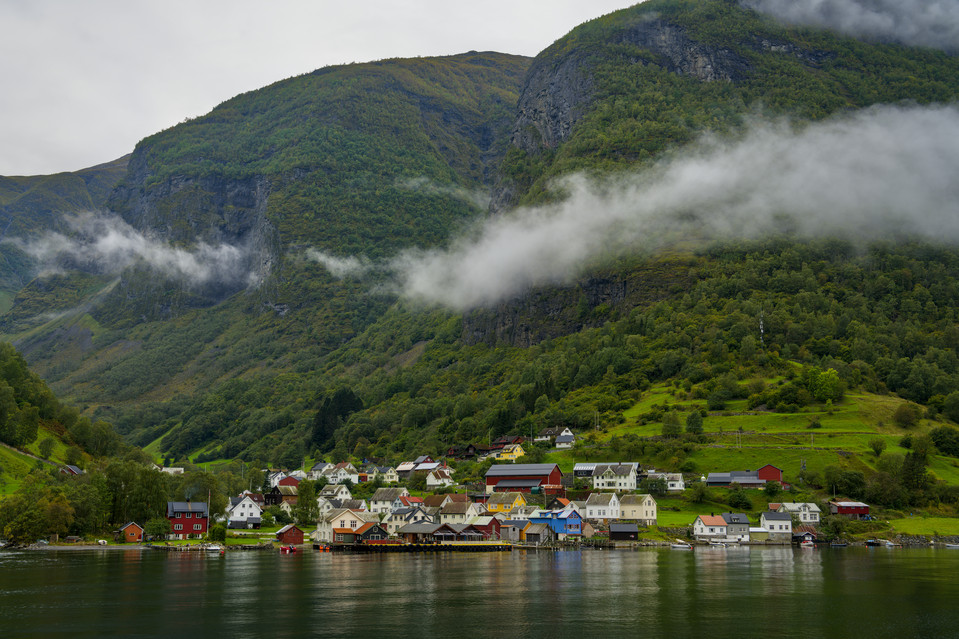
{"x": 510, "y": 453}
{"x": 504, "y": 502}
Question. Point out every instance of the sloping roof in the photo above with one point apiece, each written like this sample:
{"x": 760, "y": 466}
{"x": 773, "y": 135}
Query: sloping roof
{"x": 736, "y": 518}
{"x": 623, "y": 528}
{"x": 774, "y": 516}
{"x": 565, "y": 439}
{"x": 286, "y": 528}
{"x": 633, "y": 499}
{"x": 600, "y": 499}
{"x": 455, "y": 508}
{"x": 388, "y": 494}
{"x": 623, "y": 470}
{"x": 796, "y": 506}
{"x": 434, "y": 501}
{"x": 504, "y": 499}
{"x": 418, "y": 528}
{"x": 520, "y": 470}
{"x": 173, "y": 507}
{"x": 537, "y": 529}
{"x": 132, "y": 523}
{"x": 712, "y": 520}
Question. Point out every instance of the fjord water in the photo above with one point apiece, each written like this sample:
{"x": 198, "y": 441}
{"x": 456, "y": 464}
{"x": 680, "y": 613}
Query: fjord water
{"x": 710, "y": 592}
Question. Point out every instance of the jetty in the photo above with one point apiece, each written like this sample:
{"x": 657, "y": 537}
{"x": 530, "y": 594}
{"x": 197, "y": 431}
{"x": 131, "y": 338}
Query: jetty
{"x": 442, "y": 547}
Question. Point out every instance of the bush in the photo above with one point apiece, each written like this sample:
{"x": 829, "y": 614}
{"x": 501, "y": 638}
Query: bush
{"x": 739, "y": 500}
{"x": 217, "y": 532}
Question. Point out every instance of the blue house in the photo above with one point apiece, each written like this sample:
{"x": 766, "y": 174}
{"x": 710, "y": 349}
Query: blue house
{"x": 561, "y": 522}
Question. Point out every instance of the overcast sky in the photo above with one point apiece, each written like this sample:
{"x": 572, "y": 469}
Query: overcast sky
{"x": 83, "y": 82}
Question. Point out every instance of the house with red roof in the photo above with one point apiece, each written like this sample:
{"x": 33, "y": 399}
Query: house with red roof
{"x": 710, "y": 528}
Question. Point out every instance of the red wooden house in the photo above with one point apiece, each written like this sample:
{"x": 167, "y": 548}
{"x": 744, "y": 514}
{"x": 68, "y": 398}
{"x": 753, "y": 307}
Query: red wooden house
{"x": 187, "y": 519}
{"x": 850, "y": 509}
{"x": 131, "y": 533}
{"x": 524, "y": 478}
{"x": 290, "y": 535}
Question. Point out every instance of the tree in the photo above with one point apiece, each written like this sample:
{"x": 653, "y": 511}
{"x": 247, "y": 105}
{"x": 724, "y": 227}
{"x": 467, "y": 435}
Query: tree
{"x": 694, "y": 423}
{"x": 217, "y": 532}
{"x": 739, "y": 500}
{"x": 906, "y": 416}
{"x": 671, "y": 427}
{"x": 46, "y": 447}
{"x": 699, "y": 492}
{"x": 772, "y": 489}
{"x": 157, "y": 528}
{"x": 877, "y": 444}
{"x": 306, "y": 510}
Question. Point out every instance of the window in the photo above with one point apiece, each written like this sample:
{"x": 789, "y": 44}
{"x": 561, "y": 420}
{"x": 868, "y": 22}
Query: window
{"x": 188, "y": 515}
{"x": 197, "y": 526}
{"x": 177, "y": 526}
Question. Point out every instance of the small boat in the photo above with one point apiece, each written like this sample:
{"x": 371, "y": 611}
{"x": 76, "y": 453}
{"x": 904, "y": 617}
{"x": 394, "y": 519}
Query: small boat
{"x": 952, "y": 545}
{"x": 721, "y": 544}
{"x": 873, "y": 542}
{"x": 838, "y": 544}
{"x": 288, "y": 549}
{"x": 213, "y": 548}
{"x": 681, "y": 545}
{"x": 807, "y": 544}
{"x": 892, "y": 544}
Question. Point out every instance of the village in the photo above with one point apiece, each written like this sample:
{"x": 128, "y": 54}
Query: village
{"x": 524, "y": 504}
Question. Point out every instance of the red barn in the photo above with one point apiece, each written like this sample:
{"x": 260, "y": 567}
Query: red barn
{"x": 290, "y": 535}
{"x": 770, "y": 473}
{"x": 850, "y": 509}
{"x": 187, "y": 519}
{"x": 523, "y": 478}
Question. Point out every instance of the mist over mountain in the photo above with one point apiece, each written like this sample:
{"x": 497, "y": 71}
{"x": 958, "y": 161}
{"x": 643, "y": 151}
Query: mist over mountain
{"x": 455, "y": 238}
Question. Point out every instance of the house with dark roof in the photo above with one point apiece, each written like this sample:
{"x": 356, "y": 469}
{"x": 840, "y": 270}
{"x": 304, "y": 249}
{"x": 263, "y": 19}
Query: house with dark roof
{"x": 187, "y": 518}
{"x": 524, "y": 478}
{"x": 617, "y": 477}
{"x": 779, "y": 525}
{"x": 562, "y": 523}
{"x": 746, "y": 478}
{"x": 737, "y": 527}
{"x": 622, "y": 531}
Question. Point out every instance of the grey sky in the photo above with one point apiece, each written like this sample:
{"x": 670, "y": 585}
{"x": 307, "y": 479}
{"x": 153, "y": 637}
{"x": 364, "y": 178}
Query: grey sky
{"x": 83, "y": 82}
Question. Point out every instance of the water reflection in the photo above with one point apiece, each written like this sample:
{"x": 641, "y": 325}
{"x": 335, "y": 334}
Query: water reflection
{"x": 799, "y": 593}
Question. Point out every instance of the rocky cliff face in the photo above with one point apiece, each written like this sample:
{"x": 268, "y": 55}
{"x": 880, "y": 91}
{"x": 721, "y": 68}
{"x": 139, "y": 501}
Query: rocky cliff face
{"x": 558, "y": 90}
{"x": 186, "y": 210}
{"x": 553, "y": 312}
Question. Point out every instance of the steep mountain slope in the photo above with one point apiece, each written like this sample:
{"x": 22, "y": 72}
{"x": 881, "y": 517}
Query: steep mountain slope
{"x": 365, "y": 160}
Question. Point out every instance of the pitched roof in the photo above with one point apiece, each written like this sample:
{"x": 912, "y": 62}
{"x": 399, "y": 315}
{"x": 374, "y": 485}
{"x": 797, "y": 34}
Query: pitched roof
{"x": 712, "y": 520}
{"x": 736, "y": 518}
{"x": 615, "y": 527}
{"x": 774, "y": 516}
{"x": 388, "y": 494}
{"x": 600, "y": 499}
{"x": 173, "y": 507}
{"x": 623, "y": 470}
{"x": 633, "y": 499}
{"x": 520, "y": 470}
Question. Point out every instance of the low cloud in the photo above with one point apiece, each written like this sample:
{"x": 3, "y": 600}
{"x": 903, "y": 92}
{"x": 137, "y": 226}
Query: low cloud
{"x": 475, "y": 198}
{"x": 876, "y": 173}
{"x": 924, "y": 23}
{"x": 341, "y": 267}
{"x": 107, "y": 244}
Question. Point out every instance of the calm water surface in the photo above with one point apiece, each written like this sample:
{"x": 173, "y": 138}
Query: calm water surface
{"x": 708, "y": 593}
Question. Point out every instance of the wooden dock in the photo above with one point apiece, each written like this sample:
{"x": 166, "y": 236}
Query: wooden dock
{"x": 419, "y": 548}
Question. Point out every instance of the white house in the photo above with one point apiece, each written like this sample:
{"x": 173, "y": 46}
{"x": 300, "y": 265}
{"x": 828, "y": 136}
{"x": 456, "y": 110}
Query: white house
{"x": 407, "y": 515}
{"x": 639, "y": 508}
{"x": 460, "y": 512}
{"x": 317, "y": 470}
{"x": 335, "y": 491}
{"x": 243, "y": 512}
{"x": 438, "y": 478}
{"x": 602, "y": 506}
{"x": 674, "y": 481}
{"x": 807, "y": 513}
{"x": 617, "y": 477}
{"x": 382, "y": 500}
{"x": 565, "y": 441}
{"x": 779, "y": 525}
{"x": 341, "y": 519}
{"x": 709, "y": 528}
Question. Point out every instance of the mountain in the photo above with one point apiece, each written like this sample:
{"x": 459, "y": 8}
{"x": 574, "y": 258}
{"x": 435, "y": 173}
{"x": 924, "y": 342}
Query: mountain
{"x": 239, "y": 338}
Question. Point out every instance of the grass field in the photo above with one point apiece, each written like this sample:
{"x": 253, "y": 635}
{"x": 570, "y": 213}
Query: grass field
{"x": 928, "y": 526}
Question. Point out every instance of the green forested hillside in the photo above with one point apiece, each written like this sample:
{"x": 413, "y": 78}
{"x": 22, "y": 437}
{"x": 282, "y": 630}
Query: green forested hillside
{"x": 366, "y": 160}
